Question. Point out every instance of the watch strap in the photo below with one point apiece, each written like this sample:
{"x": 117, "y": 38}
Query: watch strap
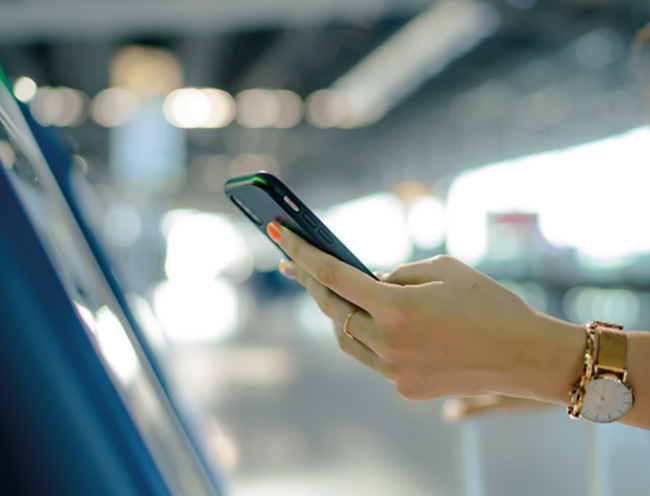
{"x": 612, "y": 350}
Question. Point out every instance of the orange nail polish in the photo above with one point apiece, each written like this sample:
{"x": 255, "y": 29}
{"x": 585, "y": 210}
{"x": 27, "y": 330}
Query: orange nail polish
{"x": 273, "y": 228}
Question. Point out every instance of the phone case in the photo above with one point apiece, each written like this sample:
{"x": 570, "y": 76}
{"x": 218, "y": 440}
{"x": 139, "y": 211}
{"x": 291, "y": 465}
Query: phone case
{"x": 263, "y": 198}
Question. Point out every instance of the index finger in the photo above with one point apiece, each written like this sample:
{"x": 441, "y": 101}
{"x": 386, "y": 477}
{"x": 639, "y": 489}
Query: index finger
{"x": 346, "y": 281}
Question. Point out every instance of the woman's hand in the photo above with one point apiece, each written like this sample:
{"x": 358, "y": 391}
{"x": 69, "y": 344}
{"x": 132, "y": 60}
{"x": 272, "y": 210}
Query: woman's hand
{"x": 439, "y": 327}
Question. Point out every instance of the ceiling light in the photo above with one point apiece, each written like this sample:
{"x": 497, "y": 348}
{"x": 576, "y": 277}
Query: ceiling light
{"x": 146, "y": 70}
{"x": 59, "y": 106}
{"x": 326, "y": 108}
{"x": 222, "y": 108}
{"x": 113, "y": 106}
{"x": 187, "y": 108}
{"x": 25, "y": 89}
{"x": 257, "y": 108}
{"x": 418, "y": 51}
{"x": 291, "y": 109}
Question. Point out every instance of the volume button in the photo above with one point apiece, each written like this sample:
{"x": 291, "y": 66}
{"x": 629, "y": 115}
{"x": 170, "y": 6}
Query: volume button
{"x": 325, "y": 236}
{"x": 310, "y": 219}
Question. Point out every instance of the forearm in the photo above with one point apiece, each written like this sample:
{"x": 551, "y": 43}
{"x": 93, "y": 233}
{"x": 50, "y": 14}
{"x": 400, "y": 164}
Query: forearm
{"x": 638, "y": 366}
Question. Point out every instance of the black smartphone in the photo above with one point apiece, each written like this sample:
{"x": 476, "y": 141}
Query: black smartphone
{"x": 263, "y": 198}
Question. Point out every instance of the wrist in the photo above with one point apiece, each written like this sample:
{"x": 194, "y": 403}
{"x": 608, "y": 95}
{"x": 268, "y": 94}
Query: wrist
{"x": 552, "y": 360}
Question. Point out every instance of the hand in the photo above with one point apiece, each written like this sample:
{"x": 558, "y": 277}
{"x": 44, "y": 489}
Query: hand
{"x": 439, "y": 327}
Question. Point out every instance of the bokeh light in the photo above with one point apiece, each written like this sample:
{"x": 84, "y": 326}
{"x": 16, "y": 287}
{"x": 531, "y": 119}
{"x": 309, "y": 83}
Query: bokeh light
{"x": 426, "y": 222}
{"x": 113, "y": 106}
{"x": 199, "y": 108}
{"x": 291, "y": 109}
{"x": 25, "y": 89}
{"x": 222, "y": 108}
{"x": 146, "y": 70}
{"x": 373, "y": 228}
{"x": 187, "y": 108}
{"x": 257, "y": 108}
{"x": 326, "y": 108}
{"x": 196, "y": 311}
{"x": 122, "y": 225}
{"x": 567, "y": 217}
{"x": 59, "y": 106}
{"x": 584, "y": 303}
{"x": 200, "y": 246}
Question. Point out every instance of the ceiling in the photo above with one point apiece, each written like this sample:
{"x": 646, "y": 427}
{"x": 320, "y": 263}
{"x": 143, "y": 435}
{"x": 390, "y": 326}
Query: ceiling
{"x": 554, "y": 96}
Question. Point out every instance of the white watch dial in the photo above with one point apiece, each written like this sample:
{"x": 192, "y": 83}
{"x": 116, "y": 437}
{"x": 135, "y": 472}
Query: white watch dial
{"x": 607, "y": 400}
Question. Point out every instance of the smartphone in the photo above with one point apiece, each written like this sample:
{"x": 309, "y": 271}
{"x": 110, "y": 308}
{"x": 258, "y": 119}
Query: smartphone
{"x": 263, "y": 198}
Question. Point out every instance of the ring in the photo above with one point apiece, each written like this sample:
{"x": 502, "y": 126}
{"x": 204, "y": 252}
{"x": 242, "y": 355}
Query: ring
{"x": 347, "y": 321}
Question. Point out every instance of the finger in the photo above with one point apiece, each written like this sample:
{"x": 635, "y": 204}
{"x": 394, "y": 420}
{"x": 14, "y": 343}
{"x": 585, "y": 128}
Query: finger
{"x": 350, "y": 283}
{"x": 361, "y": 324}
{"x": 360, "y": 352}
{"x": 457, "y": 409}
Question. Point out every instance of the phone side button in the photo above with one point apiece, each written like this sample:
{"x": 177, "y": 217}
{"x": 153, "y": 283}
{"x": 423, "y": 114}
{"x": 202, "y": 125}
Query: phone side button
{"x": 291, "y": 203}
{"x": 325, "y": 236}
{"x": 310, "y": 219}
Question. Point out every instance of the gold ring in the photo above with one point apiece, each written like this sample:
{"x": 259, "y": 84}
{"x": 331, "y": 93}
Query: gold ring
{"x": 347, "y": 321}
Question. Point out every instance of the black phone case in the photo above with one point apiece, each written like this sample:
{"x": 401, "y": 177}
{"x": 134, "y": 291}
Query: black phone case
{"x": 267, "y": 199}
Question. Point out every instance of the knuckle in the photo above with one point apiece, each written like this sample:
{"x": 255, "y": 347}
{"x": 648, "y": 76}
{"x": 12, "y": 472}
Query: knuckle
{"x": 341, "y": 340}
{"x": 397, "y": 273}
{"x": 324, "y": 306}
{"x": 326, "y": 276}
{"x": 396, "y": 320}
{"x": 387, "y": 346}
{"x": 291, "y": 248}
{"x": 443, "y": 260}
{"x": 299, "y": 276}
{"x": 382, "y": 346}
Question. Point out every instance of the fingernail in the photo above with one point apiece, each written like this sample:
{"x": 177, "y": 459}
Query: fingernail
{"x": 273, "y": 228}
{"x": 285, "y": 269}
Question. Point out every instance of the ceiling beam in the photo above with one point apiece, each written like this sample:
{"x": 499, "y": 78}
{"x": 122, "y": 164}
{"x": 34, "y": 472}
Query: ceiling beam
{"x": 25, "y": 21}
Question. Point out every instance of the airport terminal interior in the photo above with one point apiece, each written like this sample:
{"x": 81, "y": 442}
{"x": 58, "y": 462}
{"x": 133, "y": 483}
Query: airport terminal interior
{"x": 502, "y": 132}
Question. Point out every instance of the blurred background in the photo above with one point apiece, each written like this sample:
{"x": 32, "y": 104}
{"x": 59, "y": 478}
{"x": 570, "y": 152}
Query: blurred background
{"x": 508, "y": 133}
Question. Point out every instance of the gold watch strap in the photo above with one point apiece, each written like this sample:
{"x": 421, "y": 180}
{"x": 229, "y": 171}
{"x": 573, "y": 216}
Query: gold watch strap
{"x": 612, "y": 350}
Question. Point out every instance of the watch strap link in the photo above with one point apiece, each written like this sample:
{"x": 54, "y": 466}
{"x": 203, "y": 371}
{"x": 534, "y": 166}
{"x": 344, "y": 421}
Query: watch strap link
{"x": 579, "y": 389}
{"x": 612, "y": 349}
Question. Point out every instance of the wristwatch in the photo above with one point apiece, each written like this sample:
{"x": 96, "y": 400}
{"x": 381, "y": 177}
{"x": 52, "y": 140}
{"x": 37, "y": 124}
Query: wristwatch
{"x": 602, "y": 393}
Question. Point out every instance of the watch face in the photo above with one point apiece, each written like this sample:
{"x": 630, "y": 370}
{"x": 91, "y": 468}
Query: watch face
{"x": 607, "y": 400}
